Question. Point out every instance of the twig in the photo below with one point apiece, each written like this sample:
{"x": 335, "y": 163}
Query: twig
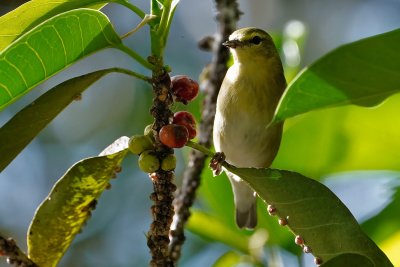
{"x": 163, "y": 186}
{"x": 144, "y": 21}
{"x": 227, "y": 16}
{"x": 15, "y": 256}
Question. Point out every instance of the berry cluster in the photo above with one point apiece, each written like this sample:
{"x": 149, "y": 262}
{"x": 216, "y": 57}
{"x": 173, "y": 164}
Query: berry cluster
{"x": 183, "y": 126}
{"x": 174, "y": 135}
{"x": 143, "y": 145}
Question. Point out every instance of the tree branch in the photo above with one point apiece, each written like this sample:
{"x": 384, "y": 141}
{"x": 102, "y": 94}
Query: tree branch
{"x": 15, "y": 256}
{"x": 163, "y": 186}
{"x": 227, "y": 16}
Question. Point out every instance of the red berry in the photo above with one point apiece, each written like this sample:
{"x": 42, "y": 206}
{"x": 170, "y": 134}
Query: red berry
{"x": 186, "y": 119}
{"x": 174, "y": 136}
{"x": 184, "y": 89}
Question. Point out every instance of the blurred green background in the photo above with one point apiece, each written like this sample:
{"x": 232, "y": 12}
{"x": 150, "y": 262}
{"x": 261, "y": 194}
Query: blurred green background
{"x": 355, "y": 150}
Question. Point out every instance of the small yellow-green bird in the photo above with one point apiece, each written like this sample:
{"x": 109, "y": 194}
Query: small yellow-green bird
{"x": 246, "y": 103}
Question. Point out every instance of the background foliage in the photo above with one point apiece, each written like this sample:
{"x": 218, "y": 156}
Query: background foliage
{"x": 316, "y": 144}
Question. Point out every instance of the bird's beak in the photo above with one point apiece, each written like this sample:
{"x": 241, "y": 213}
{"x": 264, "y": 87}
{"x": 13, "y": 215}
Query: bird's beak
{"x": 232, "y": 43}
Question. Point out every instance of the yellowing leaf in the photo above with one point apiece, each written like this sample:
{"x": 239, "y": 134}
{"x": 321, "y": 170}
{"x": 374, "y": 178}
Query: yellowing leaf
{"x": 64, "y": 212}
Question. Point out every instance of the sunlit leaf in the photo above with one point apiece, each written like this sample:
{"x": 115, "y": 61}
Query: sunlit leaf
{"x": 228, "y": 259}
{"x": 313, "y": 212}
{"x": 342, "y": 139}
{"x": 391, "y": 247}
{"x": 49, "y": 48}
{"x": 364, "y": 73}
{"x": 22, "y": 19}
{"x": 69, "y": 205}
{"x": 19, "y": 131}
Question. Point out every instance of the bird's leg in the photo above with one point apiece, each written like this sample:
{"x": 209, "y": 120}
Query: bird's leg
{"x": 216, "y": 162}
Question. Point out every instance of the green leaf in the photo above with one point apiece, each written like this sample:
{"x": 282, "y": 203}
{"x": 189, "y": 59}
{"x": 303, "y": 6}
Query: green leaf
{"x": 228, "y": 259}
{"x": 349, "y": 259}
{"x": 174, "y": 5}
{"x": 212, "y": 228}
{"x": 217, "y": 198}
{"x": 363, "y": 73}
{"x": 20, "y": 130}
{"x": 64, "y": 212}
{"x": 313, "y": 212}
{"x": 49, "y": 48}
{"x": 22, "y": 19}
{"x": 342, "y": 139}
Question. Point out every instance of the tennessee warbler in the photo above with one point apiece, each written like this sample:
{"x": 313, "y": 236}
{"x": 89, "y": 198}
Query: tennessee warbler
{"x": 246, "y": 103}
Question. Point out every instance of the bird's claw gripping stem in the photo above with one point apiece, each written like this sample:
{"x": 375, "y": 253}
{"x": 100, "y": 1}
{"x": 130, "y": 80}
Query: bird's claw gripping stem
{"x": 216, "y": 163}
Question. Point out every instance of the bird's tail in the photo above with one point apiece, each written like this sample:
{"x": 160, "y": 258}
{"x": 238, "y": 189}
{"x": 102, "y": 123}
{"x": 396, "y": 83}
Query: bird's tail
{"x": 245, "y": 203}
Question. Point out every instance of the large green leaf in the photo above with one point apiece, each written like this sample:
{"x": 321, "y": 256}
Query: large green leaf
{"x": 64, "y": 212}
{"x": 312, "y": 212}
{"x": 19, "y": 131}
{"x": 364, "y": 73}
{"x": 22, "y": 19}
{"x": 50, "y": 47}
{"x": 349, "y": 259}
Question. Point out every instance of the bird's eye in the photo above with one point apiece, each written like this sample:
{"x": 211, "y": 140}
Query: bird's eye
{"x": 256, "y": 40}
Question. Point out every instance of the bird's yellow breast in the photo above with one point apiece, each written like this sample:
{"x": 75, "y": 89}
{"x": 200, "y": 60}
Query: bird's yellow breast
{"x": 245, "y": 106}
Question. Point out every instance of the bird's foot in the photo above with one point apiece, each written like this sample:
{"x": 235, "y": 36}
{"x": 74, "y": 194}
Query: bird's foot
{"x": 216, "y": 163}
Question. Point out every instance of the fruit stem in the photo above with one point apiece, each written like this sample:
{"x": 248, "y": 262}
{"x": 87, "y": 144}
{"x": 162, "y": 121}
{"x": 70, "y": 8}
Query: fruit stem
{"x": 200, "y": 148}
{"x": 208, "y": 153}
{"x": 147, "y": 18}
{"x": 133, "y": 74}
{"x": 138, "y": 58}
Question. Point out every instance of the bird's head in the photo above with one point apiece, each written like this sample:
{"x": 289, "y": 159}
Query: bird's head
{"x": 251, "y": 43}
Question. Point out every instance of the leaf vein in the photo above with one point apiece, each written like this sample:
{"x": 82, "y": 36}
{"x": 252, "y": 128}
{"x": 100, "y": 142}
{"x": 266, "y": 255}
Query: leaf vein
{"x": 81, "y": 34}
{"x": 18, "y": 70}
{"x": 297, "y": 201}
{"x": 39, "y": 58}
{"x": 103, "y": 32}
{"x": 6, "y": 89}
{"x": 318, "y": 226}
{"x": 62, "y": 43}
